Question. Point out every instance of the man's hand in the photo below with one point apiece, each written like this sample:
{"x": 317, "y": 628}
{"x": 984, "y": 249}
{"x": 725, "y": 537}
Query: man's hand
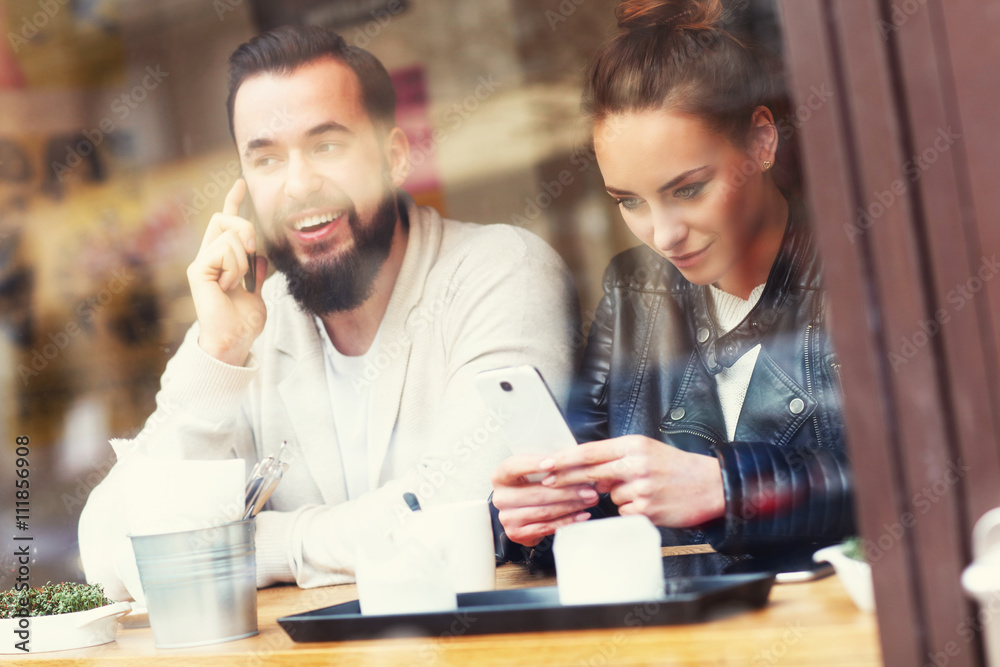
{"x": 229, "y": 316}
{"x": 671, "y": 487}
{"x": 530, "y": 511}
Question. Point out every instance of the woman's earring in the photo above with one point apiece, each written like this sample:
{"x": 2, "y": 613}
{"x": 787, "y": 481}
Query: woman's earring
{"x": 766, "y": 165}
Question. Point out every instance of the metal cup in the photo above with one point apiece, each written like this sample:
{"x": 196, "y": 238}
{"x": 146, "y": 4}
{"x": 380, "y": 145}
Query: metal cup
{"x": 200, "y": 585}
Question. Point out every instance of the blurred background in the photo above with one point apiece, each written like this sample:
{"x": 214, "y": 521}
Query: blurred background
{"x": 115, "y": 152}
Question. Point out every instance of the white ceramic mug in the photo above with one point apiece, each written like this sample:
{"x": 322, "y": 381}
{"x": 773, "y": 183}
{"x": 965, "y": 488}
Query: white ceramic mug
{"x": 981, "y": 580}
{"x": 462, "y": 534}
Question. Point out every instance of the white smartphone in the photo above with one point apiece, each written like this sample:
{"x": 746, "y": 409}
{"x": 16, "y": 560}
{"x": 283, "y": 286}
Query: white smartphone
{"x": 530, "y": 419}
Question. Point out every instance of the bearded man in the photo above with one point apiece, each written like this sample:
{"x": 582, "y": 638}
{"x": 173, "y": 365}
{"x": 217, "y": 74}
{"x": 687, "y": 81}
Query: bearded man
{"x": 360, "y": 351}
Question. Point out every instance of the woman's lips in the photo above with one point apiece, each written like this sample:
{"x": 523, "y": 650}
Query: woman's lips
{"x": 689, "y": 260}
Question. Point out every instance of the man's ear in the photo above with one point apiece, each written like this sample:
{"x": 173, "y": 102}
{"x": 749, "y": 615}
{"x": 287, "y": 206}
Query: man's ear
{"x": 399, "y": 156}
{"x": 763, "y": 136}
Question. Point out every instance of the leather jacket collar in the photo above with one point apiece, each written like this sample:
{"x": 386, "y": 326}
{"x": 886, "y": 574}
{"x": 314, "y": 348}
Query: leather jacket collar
{"x": 793, "y": 268}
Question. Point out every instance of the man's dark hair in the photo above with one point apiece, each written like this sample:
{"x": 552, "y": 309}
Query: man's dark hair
{"x": 281, "y": 50}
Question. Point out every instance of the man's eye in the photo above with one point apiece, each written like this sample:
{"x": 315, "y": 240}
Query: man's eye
{"x": 628, "y": 203}
{"x": 265, "y": 161}
{"x": 689, "y": 191}
{"x": 329, "y": 147}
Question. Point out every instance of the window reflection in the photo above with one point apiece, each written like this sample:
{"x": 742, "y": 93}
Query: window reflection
{"x": 114, "y": 152}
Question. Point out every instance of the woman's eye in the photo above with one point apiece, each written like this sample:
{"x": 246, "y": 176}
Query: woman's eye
{"x": 628, "y": 203}
{"x": 689, "y": 191}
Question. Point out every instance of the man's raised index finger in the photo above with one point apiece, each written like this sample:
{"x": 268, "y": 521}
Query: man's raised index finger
{"x": 235, "y": 197}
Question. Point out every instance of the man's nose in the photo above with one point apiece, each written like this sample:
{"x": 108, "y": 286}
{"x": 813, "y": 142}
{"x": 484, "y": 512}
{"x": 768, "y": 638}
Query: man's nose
{"x": 301, "y": 180}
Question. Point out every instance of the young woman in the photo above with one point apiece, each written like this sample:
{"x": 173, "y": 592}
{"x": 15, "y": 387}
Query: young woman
{"x": 708, "y": 399}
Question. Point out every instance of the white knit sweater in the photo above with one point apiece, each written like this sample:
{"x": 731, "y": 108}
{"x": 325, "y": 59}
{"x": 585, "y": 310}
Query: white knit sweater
{"x": 729, "y": 310}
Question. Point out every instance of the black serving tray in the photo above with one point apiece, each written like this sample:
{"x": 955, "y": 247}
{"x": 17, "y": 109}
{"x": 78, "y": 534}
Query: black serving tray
{"x": 689, "y": 600}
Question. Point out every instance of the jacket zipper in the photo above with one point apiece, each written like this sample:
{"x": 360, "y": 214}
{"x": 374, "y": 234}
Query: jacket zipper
{"x": 809, "y": 384}
{"x": 701, "y": 434}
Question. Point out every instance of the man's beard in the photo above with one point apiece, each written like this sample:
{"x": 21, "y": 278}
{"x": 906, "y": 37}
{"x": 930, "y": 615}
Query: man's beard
{"x": 339, "y": 284}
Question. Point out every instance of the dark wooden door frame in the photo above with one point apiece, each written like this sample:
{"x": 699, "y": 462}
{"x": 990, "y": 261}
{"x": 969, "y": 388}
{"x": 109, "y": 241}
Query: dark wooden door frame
{"x": 904, "y": 205}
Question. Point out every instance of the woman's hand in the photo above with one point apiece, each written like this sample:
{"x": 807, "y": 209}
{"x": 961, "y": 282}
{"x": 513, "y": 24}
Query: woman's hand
{"x": 530, "y": 511}
{"x": 644, "y": 476}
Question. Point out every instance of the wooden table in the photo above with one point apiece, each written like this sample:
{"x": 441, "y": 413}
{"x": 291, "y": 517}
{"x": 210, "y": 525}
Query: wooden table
{"x": 811, "y": 623}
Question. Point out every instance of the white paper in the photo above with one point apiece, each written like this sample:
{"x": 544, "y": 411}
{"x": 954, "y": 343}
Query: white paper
{"x": 168, "y": 496}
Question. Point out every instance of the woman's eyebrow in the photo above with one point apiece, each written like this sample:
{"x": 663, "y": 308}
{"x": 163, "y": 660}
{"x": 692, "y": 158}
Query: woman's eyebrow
{"x": 666, "y": 186}
{"x": 681, "y": 178}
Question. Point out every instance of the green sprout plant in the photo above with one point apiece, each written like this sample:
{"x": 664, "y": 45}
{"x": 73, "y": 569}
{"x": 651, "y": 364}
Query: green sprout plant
{"x": 52, "y": 599}
{"x": 854, "y": 548}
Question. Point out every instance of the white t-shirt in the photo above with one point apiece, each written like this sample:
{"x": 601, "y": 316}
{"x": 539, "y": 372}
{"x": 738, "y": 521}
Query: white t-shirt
{"x": 350, "y": 396}
{"x": 729, "y": 310}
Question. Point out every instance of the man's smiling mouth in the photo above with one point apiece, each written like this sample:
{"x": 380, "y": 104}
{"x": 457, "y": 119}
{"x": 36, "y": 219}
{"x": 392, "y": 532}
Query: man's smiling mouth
{"x": 314, "y": 223}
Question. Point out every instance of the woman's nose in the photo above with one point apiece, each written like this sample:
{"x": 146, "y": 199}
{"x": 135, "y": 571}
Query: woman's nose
{"x": 669, "y": 230}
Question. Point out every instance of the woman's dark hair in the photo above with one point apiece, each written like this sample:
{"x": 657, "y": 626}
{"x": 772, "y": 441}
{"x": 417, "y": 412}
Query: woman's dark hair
{"x": 675, "y": 55}
{"x": 281, "y": 50}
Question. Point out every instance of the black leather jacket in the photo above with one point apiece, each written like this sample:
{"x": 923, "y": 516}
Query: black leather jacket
{"x": 649, "y": 368}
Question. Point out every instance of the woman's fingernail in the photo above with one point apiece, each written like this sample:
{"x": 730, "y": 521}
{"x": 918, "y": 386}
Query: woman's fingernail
{"x": 547, "y": 464}
{"x": 589, "y": 494}
{"x": 549, "y": 481}
{"x": 583, "y": 516}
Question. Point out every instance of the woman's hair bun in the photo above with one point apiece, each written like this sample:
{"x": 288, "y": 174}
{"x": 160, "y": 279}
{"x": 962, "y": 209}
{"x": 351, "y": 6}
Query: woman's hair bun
{"x": 672, "y": 15}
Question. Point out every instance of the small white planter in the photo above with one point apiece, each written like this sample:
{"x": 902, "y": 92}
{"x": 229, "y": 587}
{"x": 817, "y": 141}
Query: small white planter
{"x": 856, "y": 575}
{"x": 61, "y": 632}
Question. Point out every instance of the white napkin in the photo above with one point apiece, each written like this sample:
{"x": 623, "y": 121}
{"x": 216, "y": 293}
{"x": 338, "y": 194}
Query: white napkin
{"x": 604, "y": 561}
{"x": 168, "y": 496}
